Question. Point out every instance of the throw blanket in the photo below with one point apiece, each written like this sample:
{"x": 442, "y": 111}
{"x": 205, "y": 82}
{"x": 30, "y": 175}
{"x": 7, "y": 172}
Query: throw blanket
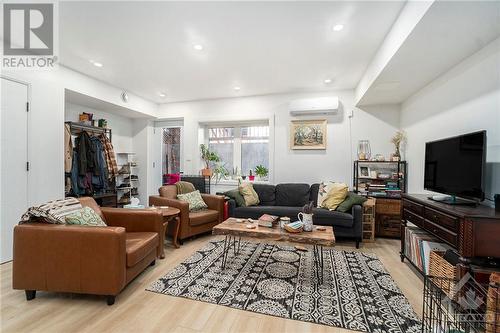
{"x": 184, "y": 187}
{"x": 52, "y": 211}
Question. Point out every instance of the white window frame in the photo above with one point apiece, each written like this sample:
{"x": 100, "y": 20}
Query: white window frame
{"x": 237, "y": 140}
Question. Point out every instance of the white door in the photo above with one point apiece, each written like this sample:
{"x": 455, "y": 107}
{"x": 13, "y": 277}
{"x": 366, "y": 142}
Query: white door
{"x": 13, "y": 161}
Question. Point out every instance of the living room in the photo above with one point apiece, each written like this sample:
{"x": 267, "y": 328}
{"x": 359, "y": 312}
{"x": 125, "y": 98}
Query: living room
{"x": 327, "y": 118}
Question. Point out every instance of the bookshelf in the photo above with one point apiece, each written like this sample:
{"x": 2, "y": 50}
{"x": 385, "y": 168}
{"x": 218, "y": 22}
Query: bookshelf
{"x": 380, "y": 179}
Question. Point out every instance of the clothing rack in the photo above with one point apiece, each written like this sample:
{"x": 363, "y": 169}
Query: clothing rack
{"x": 106, "y": 198}
{"x": 76, "y": 128}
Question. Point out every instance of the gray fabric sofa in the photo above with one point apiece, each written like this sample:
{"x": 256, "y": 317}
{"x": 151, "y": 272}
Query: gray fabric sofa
{"x": 288, "y": 199}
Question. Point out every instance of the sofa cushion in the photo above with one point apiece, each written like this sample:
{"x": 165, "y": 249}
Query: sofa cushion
{"x": 351, "y": 200}
{"x": 266, "y": 193}
{"x": 247, "y": 191}
{"x": 254, "y": 212}
{"x": 184, "y": 187}
{"x": 313, "y": 194}
{"x": 138, "y": 245}
{"x": 324, "y": 216}
{"x": 292, "y": 195}
{"x": 203, "y": 217}
{"x": 336, "y": 193}
{"x": 168, "y": 191}
{"x": 85, "y": 216}
{"x": 236, "y": 196}
{"x": 194, "y": 199}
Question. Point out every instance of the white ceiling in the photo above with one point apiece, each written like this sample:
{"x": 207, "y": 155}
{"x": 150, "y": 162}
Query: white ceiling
{"x": 262, "y": 47}
{"x": 449, "y": 32}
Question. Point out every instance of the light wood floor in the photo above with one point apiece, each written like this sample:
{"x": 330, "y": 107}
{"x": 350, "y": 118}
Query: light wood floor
{"x": 137, "y": 310}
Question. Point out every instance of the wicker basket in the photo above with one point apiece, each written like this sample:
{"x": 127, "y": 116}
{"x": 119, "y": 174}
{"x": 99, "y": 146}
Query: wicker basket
{"x": 493, "y": 305}
{"x": 440, "y": 268}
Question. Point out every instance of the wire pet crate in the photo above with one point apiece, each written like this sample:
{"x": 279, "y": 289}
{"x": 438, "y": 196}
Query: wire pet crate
{"x": 464, "y": 306}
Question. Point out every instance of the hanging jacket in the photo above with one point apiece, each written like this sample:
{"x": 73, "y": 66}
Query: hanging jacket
{"x": 75, "y": 184}
{"x": 86, "y": 154}
{"x": 109, "y": 154}
{"x": 100, "y": 176}
{"x": 68, "y": 149}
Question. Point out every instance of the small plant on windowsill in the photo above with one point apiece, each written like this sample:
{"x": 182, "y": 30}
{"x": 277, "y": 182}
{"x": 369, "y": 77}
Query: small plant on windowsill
{"x": 220, "y": 172}
{"x": 261, "y": 172}
{"x": 209, "y": 157}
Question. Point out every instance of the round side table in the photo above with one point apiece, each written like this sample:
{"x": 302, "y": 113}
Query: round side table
{"x": 170, "y": 215}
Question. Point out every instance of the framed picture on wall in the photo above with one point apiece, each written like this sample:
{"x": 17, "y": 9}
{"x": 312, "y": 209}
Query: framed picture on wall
{"x": 308, "y": 134}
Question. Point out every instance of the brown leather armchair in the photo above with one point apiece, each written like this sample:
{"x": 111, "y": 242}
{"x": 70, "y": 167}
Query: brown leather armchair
{"x": 192, "y": 223}
{"x": 83, "y": 259}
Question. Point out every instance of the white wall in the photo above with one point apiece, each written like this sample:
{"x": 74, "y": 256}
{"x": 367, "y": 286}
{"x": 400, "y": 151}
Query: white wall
{"x": 122, "y": 127}
{"x": 334, "y": 163}
{"x": 409, "y": 17}
{"x": 465, "y": 99}
{"x": 46, "y": 130}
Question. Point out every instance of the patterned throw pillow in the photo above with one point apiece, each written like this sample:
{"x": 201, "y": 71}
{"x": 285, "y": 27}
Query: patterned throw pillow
{"x": 85, "y": 216}
{"x": 194, "y": 199}
{"x": 335, "y": 194}
{"x": 251, "y": 197}
{"x": 324, "y": 188}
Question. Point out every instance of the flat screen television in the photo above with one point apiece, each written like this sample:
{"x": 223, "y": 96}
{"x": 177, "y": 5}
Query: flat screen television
{"x": 455, "y": 166}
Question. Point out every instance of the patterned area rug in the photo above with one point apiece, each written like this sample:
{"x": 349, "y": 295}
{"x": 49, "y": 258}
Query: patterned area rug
{"x": 278, "y": 280}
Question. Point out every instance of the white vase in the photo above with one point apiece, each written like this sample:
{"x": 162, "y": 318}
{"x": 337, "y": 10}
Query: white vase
{"x": 307, "y": 219}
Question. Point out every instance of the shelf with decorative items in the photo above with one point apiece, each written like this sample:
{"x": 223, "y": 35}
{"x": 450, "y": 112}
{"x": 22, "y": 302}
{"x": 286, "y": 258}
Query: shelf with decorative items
{"x": 127, "y": 178}
{"x": 385, "y": 181}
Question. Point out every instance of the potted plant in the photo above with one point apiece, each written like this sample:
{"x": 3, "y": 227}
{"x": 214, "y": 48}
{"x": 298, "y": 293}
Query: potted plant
{"x": 261, "y": 172}
{"x": 251, "y": 177}
{"x": 220, "y": 172}
{"x": 208, "y": 157}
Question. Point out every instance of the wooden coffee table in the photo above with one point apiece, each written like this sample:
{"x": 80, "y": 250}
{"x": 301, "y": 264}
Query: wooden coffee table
{"x": 170, "y": 214}
{"x": 235, "y": 230}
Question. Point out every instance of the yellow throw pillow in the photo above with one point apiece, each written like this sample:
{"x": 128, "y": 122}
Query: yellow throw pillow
{"x": 335, "y": 196}
{"x": 251, "y": 197}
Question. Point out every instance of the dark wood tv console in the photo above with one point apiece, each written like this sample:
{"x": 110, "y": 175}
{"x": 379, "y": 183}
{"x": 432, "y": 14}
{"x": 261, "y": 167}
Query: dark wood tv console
{"x": 473, "y": 232}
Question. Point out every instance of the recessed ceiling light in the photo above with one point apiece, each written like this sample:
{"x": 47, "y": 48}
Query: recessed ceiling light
{"x": 237, "y": 88}
{"x": 162, "y": 95}
{"x": 338, "y": 27}
{"x": 96, "y": 64}
{"x": 327, "y": 81}
{"x": 198, "y": 47}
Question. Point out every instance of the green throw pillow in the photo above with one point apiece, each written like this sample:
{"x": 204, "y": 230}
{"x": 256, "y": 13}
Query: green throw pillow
{"x": 194, "y": 199}
{"x": 85, "y": 216}
{"x": 351, "y": 200}
{"x": 237, "y": 197}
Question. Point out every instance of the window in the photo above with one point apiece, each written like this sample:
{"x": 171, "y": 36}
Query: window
{"x": 241, "y": 148}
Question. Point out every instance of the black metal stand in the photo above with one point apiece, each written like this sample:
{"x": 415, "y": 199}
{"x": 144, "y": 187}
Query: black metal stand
{"x": 227, "y": 248}
{"x": 319, "y": 262}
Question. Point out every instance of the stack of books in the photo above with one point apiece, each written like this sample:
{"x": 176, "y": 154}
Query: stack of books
{"x": 267, "y": 220}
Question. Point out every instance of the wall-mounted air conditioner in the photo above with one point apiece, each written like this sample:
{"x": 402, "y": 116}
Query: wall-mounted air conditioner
{"x": 314, "y": 106}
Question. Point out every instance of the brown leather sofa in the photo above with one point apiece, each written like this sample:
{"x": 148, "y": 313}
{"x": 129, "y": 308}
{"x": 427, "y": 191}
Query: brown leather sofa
{"x": 83, "y": 259}
{"x": 192, "y": 223}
